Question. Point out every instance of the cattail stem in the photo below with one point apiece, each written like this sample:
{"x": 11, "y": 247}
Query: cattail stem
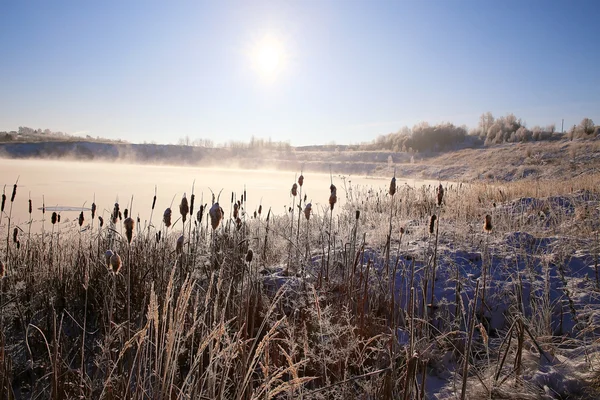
{"x": 467, "y": 354}
{"x": 329, "y": 244}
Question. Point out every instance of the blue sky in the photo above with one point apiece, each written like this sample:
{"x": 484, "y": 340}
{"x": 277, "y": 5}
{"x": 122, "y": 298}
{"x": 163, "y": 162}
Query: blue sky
{"x": 349, "y": 70}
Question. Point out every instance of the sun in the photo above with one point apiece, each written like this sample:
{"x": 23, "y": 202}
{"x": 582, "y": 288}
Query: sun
{"x": 268, "y": 56}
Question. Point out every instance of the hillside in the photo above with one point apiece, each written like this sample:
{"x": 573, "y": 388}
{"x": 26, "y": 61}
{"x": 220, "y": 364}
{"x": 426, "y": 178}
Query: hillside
{"x": 503, "y": 162}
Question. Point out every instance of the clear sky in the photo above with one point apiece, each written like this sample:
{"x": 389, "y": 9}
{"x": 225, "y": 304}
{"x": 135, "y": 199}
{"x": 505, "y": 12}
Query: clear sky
{"x": 311, "y": 71}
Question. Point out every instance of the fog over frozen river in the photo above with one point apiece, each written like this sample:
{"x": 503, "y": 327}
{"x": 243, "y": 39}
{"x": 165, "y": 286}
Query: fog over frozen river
{"x": 74, "y": 185}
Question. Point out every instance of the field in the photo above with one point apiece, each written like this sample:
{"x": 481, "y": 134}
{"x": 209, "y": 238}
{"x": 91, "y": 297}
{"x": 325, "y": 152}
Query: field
{"x": 371, "y": 297}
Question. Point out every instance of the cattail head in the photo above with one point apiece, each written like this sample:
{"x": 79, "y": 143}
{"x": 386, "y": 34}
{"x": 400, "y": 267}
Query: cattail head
{"x": 216, "y": 214}
{"x": 115, "y": 263}
{"x": 30, "y": 207}
{"x": 158, "y": 234}
{"x": 402, "y": 230}
{"x": 101, "y": 220}
{"x": 301, "y": 180}
{"x": 236, "y": 210}
{"x": 332, "y": 196}
{"x": 393, "y": 186}
{"x": 2, "y": 270}
{"x": 93, "y": 210}
{"x": 192, "y": 205}
{"x": 81, "y": 219}
{"x": 294, "y": 189}
{"x": 179, "y": 245}
{"x": 15, "y": 235}
{"x": 249, "y": 256}
{"x": 115, "y": 213}
{"x": 259, "y": 209}
{"x": 153, "y": 201}
{"x": 200, "y": 214}
{"x": 432, "y": 223}
{"x": 357, "y": 215}
{"x": 129, "y": 224}
{"x": 126, "y": 213}
{"x": 3, "y": 202}
{"x": 255, "y": 214}
{"x": 487, "y": 224}
{"x": 121, "y": 215}
{"x": 58, "y": 218}
{"x": 184, "y": 208}
{"x": 307, "y": 210}
{"x": 167, "y": 217}
{"x": 440, "y": 195}
{"x": 54, "y": 217}
{"x": 14, "y": 193}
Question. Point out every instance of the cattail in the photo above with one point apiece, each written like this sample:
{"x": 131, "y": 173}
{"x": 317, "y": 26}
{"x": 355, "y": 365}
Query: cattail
{"x": 192, "y": 205}
{"x": 93, "y": 210}
{"x": 14, "y": 193}
{"x": 232, "y": 198}
{"x": 153, "y": 202}
{"x": 245, "y": 200}
{"x": 126, "y": 213}
{"x": 216, "y": 214}
{"x": 80, "y": 219}
{"x": 255, "y": 214}
{"x": 333, "y": 196}
{"x": 402, "y": 230}
{"x": 307, "y": 211}
{"x": 3, "y": 202}
{"x": 58, "y": 218}
{"x": 179, "y": 245}
{"x": 53, "y": 218}
{"x": 432, "y": 223}
{"x": 294, "y": 190}
{"x": 301, "y": 180}
{"x": 129, "y": 224}
{"x": 184, "y": 208}
{"x": 357, "y": 215}
{"x": 115, "y": 213}
{"x": 167, "y": 217}
{"x": 120, "y": 216}
{"x": 393, "y": 186}
{"x": 158, "y": 236}
{"x": 15, "y": 234}
{"x": 115, "y": 263}
{"x": 43, "y": 208}
{"x": 101, "y": 221}
{"x": 487, "y": 225}
{"x": 200, "y": 214}
{"x": 440, "y": 195}
{"x": 236, "y": 210}
{"x": 249, "y": 256}
{"x": 3, "y": 269}
{"x": 30, "y": 208}
{"x": 259, "y": 209}
{"x": 238, "y": 223}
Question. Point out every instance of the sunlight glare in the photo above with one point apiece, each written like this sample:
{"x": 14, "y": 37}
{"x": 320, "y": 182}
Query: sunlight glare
{"x": 268, "y": 56}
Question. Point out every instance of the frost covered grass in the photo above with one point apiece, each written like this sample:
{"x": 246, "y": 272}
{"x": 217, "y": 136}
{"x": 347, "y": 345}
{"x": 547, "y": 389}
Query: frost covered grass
{"x": 497, "y": 296}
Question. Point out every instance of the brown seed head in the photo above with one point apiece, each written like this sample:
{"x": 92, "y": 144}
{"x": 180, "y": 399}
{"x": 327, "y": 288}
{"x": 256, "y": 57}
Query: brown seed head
{"x": 192, "y": 205}
{"x": 184, "y": 208}
{"x": 53, "y": 218}
{"x": 81, "y": 219}
{"x": 238, "y": 223}
{"x": 167, "y": 217}
{"x": 200, "y": 214}
{"x": 487, "y": 225}
{"x": 260, "y": 209}
{"x": 333, "y": 196}
{"x": 307, "y": 211}
{"x": 129, "y": 224}
{"x": 14, "y": 193}
{"x": 93, "y": 210}
{"x": 115, "y": 263}
{"x": 393, "y": 186}
{"x": 115, "y": 213}
{"x": 101, "y": 220}
{"x": 294, "y": 189}
{"x": 3, "y": 202}
{"x": 440, "y": 195}
{"x": 30, "y": 208}
{"x": 301, "y": 180}
{"x": 58, "y": 218}
{"x": 236, "y": 210}
{"x": 126, "y": 213}
{"x": 216, "y": 214}
{"x": 15, "y": 234}
{"x": 432, "y": 223}
{"x": 249, "y": 256}
{"x": 402, "y": 230}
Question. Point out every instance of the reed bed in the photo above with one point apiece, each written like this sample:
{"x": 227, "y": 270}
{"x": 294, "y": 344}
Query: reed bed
{"x": 370, "y": 297}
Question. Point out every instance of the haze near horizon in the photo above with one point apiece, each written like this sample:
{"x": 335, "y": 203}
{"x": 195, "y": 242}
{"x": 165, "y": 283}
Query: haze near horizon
{"x": 304, "y": 72}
